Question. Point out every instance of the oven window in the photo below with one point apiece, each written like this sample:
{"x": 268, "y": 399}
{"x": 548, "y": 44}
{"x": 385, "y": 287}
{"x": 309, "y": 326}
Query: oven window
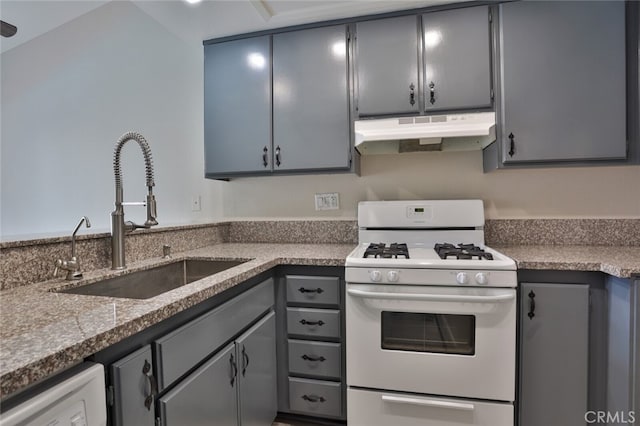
{"x": 438, "y": 333}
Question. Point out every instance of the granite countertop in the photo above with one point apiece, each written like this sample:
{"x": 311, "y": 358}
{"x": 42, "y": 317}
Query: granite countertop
{"x": 61, "y": 329}
{"x": 619, "y": 261}
{"x": 43, "y": 332}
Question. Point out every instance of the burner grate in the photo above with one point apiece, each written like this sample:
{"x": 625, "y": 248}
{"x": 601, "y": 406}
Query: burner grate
{"x": 380, "y": 250}
{"x": 461, "y": 251}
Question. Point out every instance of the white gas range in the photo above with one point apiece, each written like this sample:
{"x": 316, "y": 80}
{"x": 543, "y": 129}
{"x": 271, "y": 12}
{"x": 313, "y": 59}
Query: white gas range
{"x": 430, "y": 318}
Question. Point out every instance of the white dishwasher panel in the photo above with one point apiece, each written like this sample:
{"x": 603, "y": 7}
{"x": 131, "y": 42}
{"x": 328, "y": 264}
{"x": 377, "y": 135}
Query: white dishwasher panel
{"x": 76, "y": 401}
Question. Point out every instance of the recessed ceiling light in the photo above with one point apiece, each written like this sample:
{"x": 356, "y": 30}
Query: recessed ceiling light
{"x": 193, "y": 1}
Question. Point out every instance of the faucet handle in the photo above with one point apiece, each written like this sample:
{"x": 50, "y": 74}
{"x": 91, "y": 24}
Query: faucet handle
{"x": 58, "y": 263}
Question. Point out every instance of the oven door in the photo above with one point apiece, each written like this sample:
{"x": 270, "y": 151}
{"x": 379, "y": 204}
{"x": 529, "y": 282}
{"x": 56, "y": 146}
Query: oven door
{"x": 436, "y": 340}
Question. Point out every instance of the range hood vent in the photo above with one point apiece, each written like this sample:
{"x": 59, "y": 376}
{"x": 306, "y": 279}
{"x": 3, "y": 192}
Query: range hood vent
{"x": 454, "y": 132}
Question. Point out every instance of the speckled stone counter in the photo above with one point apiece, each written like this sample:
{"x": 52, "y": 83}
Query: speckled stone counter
{"x": 42, "y": 332}
{"x": 619, "y": 261}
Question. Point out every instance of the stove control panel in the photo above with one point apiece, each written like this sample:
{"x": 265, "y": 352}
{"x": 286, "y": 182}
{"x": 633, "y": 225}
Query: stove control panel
{"x": 439, "y": 277}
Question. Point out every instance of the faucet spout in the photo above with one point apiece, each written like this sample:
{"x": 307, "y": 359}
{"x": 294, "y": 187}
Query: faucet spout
{"x": 118, "y": 226}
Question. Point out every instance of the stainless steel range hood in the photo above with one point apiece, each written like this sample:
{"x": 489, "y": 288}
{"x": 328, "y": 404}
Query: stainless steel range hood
{"x": 453, "y": 132}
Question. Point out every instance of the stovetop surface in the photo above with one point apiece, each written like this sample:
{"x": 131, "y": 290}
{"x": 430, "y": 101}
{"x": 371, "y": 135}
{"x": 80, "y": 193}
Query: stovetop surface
{"x": 422, "y": 255}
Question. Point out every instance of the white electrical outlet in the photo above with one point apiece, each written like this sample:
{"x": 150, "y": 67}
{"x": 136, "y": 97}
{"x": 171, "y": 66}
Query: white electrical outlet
{"x": 195, "y": 203}
{"x": 328, "y": 201}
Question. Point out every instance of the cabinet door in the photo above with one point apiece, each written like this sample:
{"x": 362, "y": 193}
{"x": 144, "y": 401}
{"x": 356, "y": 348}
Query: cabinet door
{"x": 237, "y": 106}
{"x": 450, "y": 38}
{"x": 554, "y": 339}
{"x": 132, "y": 378}
{"x": 257, "y": 373}
{"x": 310, "y": 99}
{"x": 387, "y": 66}
{"x": 207, "y": 396}
{"x": 562, "y": 68}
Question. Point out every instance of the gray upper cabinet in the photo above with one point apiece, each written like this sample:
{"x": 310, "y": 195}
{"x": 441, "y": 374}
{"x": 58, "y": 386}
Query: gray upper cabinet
{"x": 457, "y": 59}
{"x": 237, "y": 106}
{"x": 386, "y": 62}
{"x": 310, "y": 99}
{"x": 562, "y": 67}
{"x": 554, "y": 348}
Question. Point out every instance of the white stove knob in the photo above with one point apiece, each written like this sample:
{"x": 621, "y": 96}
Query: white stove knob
{"x": 375, "y": 276}
{"x": 393, "y": 276}
{"x": 481, "y": 278}
{"x": 462, "y": 278}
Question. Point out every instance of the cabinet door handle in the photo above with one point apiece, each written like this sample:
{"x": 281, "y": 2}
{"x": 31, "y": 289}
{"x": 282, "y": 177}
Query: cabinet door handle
{"x": 305, "y": 322}
{"x": 512, "y": 145}
{"x": 432, "y": 93}
{"x": 312, "y": 358}
{"x": 245, "y": 361}
{"x": 532, "y": 305}
{"x": 310, "y": 290}
{"x": 412, "y": 94}
{"x": 313, "y": 398}
{"x": 278, "y": 156}
{"x": 153, "y": 385}
{"x": 233, "y": 368}
{"x": 265, "y": 152}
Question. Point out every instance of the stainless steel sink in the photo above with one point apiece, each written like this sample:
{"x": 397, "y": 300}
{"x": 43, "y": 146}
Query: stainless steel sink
{"x": 155, "y": 281}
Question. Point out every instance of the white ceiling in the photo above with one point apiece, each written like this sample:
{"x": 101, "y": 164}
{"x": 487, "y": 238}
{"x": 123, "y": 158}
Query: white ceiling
{"x": 194, "y": 23}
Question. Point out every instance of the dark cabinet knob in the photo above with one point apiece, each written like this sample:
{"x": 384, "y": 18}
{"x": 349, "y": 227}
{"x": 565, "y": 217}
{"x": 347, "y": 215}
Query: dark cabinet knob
{"x": 532, "y": 305}
{"x": 412, "y": 94}
{"x": 432, "y": 93}
{"x": 512, "y": 145}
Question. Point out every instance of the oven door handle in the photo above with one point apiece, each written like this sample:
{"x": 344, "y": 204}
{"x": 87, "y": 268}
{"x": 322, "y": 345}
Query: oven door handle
{"x": 428, "y": 402}
{"x": 431, "y": 297}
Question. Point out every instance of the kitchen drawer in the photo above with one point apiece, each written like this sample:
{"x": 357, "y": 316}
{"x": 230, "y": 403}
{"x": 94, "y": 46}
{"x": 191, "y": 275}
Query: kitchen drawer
{"x": 315, "y": 397}
{"x": 179, "y": 351}
{"x": 313, "y": 289}
{"x": 314, "y": 358}
{"x": 313, "y": 322}
{"x": 399, "y": 409}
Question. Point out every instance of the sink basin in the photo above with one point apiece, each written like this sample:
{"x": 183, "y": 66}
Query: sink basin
{"x": 155, "y": 281}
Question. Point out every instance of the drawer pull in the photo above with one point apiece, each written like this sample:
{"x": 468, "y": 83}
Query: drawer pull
{"x": 311, "y": 358}
{"x": 153, "y": 386}
{"x": 313, "y": 398}
{"x": 310, "y": 290}
{"x": 233, "y": 370}
{"x": 245, "y": 361}
{"x": 305, "y": 322}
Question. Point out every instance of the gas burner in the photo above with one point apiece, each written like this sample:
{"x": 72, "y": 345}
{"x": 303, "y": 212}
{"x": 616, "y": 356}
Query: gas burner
{"x": 461, "y": 251}
{"x": 382, "y": 251}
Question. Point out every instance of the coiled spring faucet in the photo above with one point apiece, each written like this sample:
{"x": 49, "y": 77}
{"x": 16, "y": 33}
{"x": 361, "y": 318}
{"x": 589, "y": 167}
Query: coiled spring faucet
{"x": 118, "y": 225}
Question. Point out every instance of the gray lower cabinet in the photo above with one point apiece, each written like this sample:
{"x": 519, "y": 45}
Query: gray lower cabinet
{"x": 449, "y": 37}
{"x": 192, "y": 375}
{"x": 257, "y": 373}
{"x": 133, "y": 392}
{"x": 554, "y": 351}
{"x": 386, "y": 64}
{"x": 237, "y": 106}
{"x": 236, "y": 387}
{"x": 562, "y": 81}
{"x": 312, "y": 349}
{"x": 310, "y": 100}
{"x": 208, "y": 396}
{"x": 623, "y": 357}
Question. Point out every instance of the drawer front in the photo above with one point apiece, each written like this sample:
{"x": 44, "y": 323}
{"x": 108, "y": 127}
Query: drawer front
{"x": 180, "y": 350}
{"x": 315, "y": 397}
{"x": 310, "y": 289}
{"x": 320, "y": 359}
{"x": 392, "y": 408}
{"x": 313, "y": 322}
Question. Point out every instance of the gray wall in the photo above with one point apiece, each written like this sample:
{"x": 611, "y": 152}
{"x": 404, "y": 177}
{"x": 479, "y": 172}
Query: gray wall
{"x": 68, "y": 95}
